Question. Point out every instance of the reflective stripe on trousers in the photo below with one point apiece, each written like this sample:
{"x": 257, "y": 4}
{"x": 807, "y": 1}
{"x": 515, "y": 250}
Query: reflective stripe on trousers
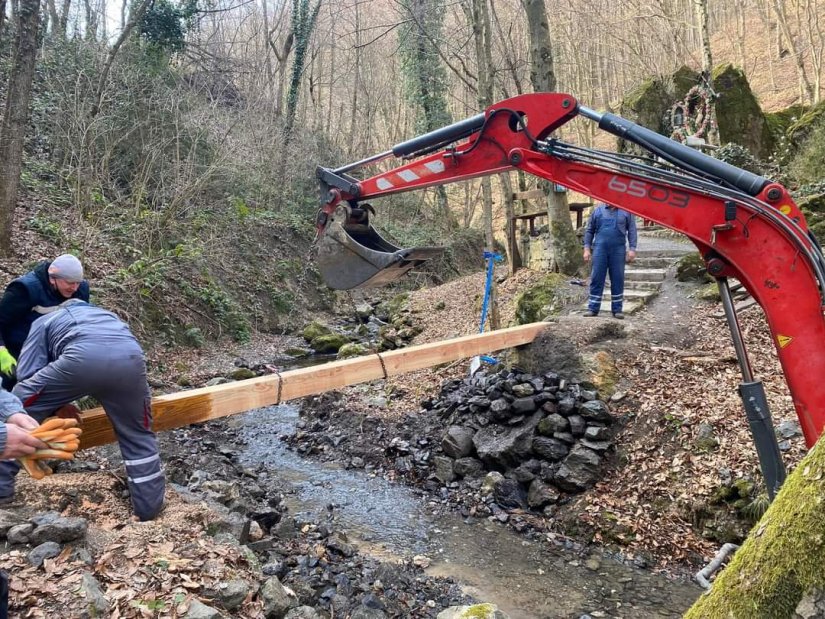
{"x": 608, "y": 257}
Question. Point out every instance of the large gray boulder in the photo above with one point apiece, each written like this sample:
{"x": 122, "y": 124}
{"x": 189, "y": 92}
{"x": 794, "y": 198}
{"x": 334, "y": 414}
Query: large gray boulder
{"x": 579, "y": 470}
{"x": 60, "y": 530}
{"x": 504, "y": 447}
{"x": 278, "y": 600}
{"x": 458, "y": 441}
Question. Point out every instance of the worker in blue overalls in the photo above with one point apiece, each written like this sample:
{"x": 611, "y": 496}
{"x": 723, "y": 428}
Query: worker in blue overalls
{"x": 611, "y": 237}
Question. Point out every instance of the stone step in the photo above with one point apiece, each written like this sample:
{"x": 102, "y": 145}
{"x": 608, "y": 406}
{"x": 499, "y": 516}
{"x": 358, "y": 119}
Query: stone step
{"x": 664, "y": 253}
{"x": 642, "y": 285}
{"x": 653, "y": 262}
{"x": 633, "y": 295}
{"x": 647, "y": 275}
{"x": 628, "y": 307}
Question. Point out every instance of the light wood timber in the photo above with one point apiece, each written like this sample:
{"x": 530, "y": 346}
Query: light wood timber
{"x": 530, "y": 194}
{"x": 180, "y": 409}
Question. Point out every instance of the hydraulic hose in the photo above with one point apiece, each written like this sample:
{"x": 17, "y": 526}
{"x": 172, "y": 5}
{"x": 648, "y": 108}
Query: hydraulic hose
{"x": 677, "y": 153}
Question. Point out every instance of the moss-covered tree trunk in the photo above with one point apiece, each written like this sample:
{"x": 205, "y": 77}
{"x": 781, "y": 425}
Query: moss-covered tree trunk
{"x": 783, "y": 557}
{"x": 566, "y": 250}
{"x": 425, "y": 79}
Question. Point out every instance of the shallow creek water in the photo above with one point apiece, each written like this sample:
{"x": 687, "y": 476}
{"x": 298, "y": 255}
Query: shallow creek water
{"x": 527, "y": 579}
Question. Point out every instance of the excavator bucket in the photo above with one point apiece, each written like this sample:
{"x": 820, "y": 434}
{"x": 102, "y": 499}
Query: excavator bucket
{"x": 351, "y": 253}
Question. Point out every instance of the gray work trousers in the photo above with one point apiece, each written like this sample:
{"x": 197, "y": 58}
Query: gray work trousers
{"x": 119, "y": 384}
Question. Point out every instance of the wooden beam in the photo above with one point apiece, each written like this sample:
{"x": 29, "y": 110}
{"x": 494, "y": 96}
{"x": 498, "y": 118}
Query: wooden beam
{"x": 530, "y": 194}
{"x": 180, "y": 409}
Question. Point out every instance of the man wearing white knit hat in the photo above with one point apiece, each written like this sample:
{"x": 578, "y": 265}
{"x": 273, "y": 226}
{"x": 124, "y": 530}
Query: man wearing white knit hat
{"x": 38, "y": 292}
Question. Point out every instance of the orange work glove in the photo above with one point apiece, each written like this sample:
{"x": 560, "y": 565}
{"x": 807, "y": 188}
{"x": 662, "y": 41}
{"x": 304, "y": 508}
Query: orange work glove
{"x": 63, "y": 438}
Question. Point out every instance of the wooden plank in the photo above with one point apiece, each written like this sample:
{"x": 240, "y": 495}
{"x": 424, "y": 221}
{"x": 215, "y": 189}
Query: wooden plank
{"x": 532, "y": 194}
{"x": 180, "y": 409}
{"x": 531, "y": 215}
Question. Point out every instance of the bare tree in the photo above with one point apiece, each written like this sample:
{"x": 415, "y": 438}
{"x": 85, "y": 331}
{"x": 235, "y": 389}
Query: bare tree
{"x": 16, "y": 114}
{"x": 701, "y": 7}
{"x": 134, "y": 19}
{"x": 805, "y": 88}
{"x": 566, "y": 249}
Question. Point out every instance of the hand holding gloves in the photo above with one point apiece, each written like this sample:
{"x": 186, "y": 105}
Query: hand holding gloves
{"x": 62, "y": 437}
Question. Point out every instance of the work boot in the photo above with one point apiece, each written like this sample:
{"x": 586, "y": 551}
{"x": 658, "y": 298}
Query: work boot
{"x": 618, "y": 315}
{"x": 591, "y": 314}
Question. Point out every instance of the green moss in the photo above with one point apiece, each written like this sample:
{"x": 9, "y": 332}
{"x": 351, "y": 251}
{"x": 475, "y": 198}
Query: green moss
{"x": 351, "y": 349}
{"x": 542, "y": 300}
{"x": 315, "y": 329}
{"x": 799, "y": 131}
{"x": 708, "y": 293}
{"x": 738, "y": 115}
{"x": 396, "y": 305}
{"x": 782, "y": 557}
{"x": 478, "y": 611}
{"x": 242, "y": 374}
{"x": 818, "y": 230}
{"x": 646, "y": 105}
{"x": 684, "y": 78}
{"x": 691, "y": 267}
{"x": 744, "y": 487}
{"x": 808, "y": 166}
{"x": 779, "y": 123}
{"x": 810, "y": 205}
{"x": 328, "y": 343}
{"x": 706, "y": 444}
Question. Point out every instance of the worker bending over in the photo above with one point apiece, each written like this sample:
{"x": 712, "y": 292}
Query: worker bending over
{"x": 80, "y": 350}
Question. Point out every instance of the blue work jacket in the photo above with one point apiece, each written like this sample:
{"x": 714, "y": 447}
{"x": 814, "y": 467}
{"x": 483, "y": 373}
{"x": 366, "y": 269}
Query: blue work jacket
{"x": 625, "y": 222}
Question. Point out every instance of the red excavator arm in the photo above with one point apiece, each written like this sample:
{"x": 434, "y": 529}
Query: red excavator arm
{"x": 745, "y": 226}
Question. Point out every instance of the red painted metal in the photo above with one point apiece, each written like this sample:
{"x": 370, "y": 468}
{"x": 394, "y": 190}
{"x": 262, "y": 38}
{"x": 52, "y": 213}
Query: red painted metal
{"x": 753, "y": 249}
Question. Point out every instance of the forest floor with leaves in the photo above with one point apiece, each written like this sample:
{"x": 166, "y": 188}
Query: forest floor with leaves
{"x": 669, "y": 497}
{"x": 677, "y": 371}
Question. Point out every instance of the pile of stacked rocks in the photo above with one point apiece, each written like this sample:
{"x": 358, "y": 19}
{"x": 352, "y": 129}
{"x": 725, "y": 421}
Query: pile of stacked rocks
{"x": 534, "y": 438}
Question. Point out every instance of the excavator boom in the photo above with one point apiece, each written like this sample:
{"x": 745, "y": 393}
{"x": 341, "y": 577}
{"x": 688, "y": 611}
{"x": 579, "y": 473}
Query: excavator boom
{"x": 745, "y": 226}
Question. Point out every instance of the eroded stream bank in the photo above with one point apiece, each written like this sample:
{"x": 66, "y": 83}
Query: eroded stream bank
{"x": 538, "y": 578}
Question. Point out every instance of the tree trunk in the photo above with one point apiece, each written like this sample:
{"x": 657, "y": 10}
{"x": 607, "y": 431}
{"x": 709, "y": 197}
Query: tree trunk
{"x": 15, "y": 116}
{"x": 355, "y": 136}
{"x": 426, "y": 77}
{"x": 481, "y": 35}
{"x": 782, "y": 21}
{"x": 303, "y": 25}
{"x": 54, "y": 18}
{"x": 482, "y": 32}
{"x": 91, "y": 21}
{"x": 513, "y": 253}
{"x": 782, "y": 558}
{"x": 110, "y": 57}
{"x": 64, "y": 17}
{"x": 701, "y": 7}
{"x": 566, "y": 249}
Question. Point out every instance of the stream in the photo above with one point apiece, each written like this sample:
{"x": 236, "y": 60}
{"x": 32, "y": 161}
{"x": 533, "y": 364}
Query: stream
{"x": 527, "y": 579}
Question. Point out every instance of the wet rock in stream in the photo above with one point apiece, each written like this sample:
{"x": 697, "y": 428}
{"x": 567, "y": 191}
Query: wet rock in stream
{"x": 309, "y": 567}
{"x": 537, "y": 439}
